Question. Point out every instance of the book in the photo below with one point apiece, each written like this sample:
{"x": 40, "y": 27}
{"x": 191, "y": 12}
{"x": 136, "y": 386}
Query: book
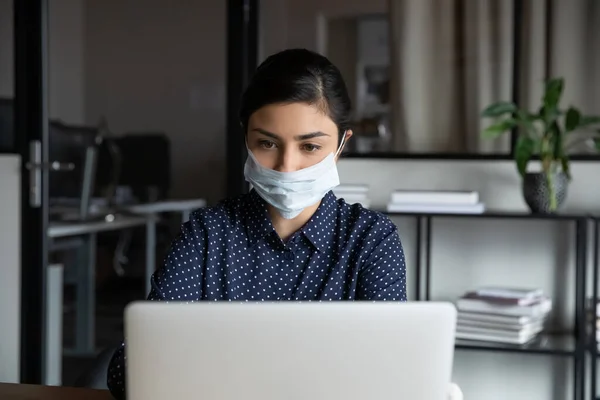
{"x": 540, "y": 308}
{"x": 510, "y": 293}
{"x": 497, "y": 318}
{"x": 519, "y": 338}
{"x": 536, "y": 326}
{"x": 519, "y": 301}
{"x": 440, "y": 208}
{"x": 440, "y": 197}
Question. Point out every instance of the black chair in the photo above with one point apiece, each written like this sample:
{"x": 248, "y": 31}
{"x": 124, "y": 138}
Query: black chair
{"x": 95, "y": 376}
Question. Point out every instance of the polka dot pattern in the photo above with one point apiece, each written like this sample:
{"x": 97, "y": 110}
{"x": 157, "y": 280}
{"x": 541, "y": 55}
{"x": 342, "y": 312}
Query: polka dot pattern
{"x": 231, "y": 252}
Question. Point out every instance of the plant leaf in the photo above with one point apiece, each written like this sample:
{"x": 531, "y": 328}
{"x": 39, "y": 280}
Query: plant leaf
{"x": 526, "y": 121}
{"x": 588, "y": 120}
{"x": 564, "y": 162}
{"x": 554, "y": 90}
{"x": 498, "y": 128}
{"x": 499, "y": 109}
{"x": 572, "y": 119}
{"x": 556, "y": 140}
{"x": 597, "y": 142}
{"x": 523, "y": 152}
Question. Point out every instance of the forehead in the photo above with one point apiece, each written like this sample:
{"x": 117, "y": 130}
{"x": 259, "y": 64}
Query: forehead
{"x": 292, "y": 119}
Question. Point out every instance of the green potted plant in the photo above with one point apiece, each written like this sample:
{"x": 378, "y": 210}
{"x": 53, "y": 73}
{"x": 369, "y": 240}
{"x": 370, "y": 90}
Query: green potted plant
{"x": 548, "y": 135}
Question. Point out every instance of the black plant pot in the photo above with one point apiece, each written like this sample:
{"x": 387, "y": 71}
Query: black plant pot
{"x": 537, "y": 193}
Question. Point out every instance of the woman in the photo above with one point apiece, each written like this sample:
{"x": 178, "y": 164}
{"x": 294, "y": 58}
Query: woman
{"x": 289, "y": 238}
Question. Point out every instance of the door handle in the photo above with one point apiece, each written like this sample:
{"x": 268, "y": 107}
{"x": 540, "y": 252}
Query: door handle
{"x": 35, "y": 167}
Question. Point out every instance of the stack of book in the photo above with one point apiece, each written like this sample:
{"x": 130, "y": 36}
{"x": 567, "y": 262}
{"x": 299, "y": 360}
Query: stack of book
{"x": 504, "y": 315}
{"x": 435, "y": 201}
{"x": 353, "y": 194}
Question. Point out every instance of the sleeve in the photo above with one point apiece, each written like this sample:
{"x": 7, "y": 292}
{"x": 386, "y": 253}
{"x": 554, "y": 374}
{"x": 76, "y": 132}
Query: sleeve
{"x": 383, "y": 275}
{"x": 179, "y": 279}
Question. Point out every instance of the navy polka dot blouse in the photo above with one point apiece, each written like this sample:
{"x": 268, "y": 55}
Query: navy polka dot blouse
{"x": 231, "y": 252}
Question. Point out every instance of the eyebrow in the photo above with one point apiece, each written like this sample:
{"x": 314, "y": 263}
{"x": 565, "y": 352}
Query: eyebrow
{"x": 304, "y": 136}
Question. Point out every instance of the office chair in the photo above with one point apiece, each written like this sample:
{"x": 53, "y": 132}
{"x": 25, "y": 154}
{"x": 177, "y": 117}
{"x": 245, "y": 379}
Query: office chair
{"x": 95, "y": 376}
{"x": 146, "y": 173}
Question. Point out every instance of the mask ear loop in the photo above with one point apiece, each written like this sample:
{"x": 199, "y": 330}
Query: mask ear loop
{"x": 339, "y": 150}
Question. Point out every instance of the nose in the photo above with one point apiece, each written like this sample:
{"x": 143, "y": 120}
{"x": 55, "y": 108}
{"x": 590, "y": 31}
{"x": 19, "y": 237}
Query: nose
{"x": 287, "y": 161}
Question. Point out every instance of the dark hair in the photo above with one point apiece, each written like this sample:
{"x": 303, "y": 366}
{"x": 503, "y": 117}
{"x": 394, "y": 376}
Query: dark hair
{"x": 298, "y": 76}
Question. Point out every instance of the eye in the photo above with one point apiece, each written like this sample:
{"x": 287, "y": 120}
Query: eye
{"x": 311, "y": 147}
{"x": 266, "y": 144}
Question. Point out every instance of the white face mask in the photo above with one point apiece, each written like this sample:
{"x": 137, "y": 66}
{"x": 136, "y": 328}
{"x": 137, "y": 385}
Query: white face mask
{"x": 291, "y": 192}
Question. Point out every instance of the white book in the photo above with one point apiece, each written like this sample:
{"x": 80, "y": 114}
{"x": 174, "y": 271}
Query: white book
{"x": 468, "y": 324}
{"x": 499, "y": 319}
{"x": 531, "y": 331}
{"x": 455, "y": 197}
{"x": 493, "y": 337}
{"x": 479, "y": 306}
{"x": 478, "y": 208}
{"x": 509, "y": 293}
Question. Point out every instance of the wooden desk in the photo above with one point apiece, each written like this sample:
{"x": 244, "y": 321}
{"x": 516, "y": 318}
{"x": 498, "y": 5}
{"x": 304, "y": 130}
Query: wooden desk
{"x": 11, "y": 391}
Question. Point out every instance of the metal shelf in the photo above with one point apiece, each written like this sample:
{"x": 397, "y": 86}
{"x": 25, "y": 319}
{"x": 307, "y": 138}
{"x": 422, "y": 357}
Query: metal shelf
{"x": 571, "y": 345}
{"x": 549, "y": 344}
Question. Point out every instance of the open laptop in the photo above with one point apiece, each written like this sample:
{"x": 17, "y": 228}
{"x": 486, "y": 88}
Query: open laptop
{"x": 289, "y": 350}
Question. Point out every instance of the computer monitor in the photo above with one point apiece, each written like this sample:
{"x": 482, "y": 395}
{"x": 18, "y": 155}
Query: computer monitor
{"x": 76, "y": 145}
{"x": 7, "y": 126}
{"x": 143, "y": 163}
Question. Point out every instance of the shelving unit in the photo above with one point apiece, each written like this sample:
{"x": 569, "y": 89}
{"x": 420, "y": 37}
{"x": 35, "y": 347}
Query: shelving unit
{"x": 573, "y": 345}
{"x": 594, "y": 352}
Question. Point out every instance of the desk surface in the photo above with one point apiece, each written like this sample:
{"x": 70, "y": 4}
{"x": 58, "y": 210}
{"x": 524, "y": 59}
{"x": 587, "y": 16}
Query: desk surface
{"x": 11, "y": 391}
{"x": 64, "y": 229}
{"x": 167, "y": 206}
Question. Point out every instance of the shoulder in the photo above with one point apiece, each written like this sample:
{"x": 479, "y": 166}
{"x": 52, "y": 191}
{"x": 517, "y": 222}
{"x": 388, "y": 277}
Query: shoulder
{"x": 215, "y": 221}
{"x": 365, "y": 222}
{"x": 226, "y": 213}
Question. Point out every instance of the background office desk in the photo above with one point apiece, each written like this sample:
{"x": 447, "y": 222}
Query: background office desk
{"x": 86, "y": 268}
{"x": 11, "y": 391}
{"x": 185, "y": 207}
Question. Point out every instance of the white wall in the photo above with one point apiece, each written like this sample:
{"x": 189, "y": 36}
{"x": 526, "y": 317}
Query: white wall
{"x": 298, "y": 23}
{"x": 10, "y": 267}
{"x": 161, "y": 67}
{"x": 65, "y": 52}
{"x": 6, "y": 48}
{"x": 467, "y": 253}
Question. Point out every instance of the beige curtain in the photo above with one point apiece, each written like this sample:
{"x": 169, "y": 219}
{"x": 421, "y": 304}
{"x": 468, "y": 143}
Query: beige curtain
{"x": 451, "y": 58}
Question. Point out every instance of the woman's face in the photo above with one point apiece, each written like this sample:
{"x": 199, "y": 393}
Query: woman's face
{"x": 290, "y": 137}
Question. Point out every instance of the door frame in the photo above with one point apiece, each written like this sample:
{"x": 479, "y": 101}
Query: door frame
{"x": 242, "y": 58}
{"x": 31, "y": 125}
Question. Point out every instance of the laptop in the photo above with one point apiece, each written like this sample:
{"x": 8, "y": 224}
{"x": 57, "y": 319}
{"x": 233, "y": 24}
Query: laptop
{"x": 289, "y": 350}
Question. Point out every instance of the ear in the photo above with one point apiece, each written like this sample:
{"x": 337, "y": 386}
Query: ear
{"x": 347, "y": 137}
